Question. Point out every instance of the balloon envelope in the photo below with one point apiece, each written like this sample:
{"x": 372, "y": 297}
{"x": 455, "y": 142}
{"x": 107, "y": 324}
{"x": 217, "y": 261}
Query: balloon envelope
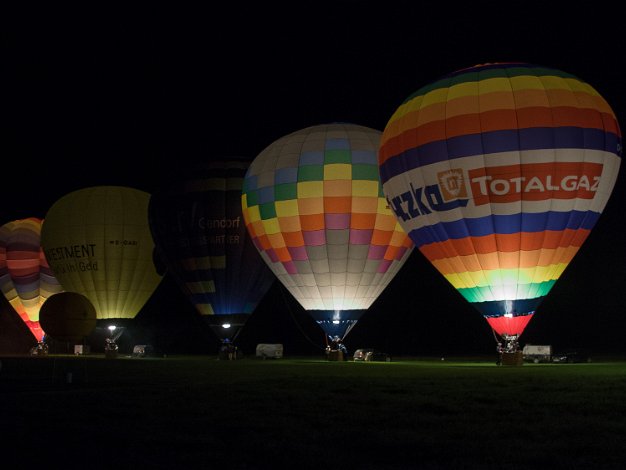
{"x": 98, "y": 243}
{"x": 26, "y": 279}
{"x": 198, "y": 228}
{"x": 498, "y": 173}
{"x": 68, "y": 316}
{"x": 313, "y": 204}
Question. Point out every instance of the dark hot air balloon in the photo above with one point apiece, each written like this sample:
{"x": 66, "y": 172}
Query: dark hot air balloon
{"x": 199, "y": 231}
{"x": 68, "y": 316}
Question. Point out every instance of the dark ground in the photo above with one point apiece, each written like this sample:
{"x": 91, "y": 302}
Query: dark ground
{"x": 197, "y": 412}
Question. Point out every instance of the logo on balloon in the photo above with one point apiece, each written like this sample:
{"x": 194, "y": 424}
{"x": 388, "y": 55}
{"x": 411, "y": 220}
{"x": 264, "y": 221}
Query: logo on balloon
{"x": 449, "y": 193}
{"x": 452, "y": 184}
{"x": 499, "y": 184}
{"x": 534, "y": 182}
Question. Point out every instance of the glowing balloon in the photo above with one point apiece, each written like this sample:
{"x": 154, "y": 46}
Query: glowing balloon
{"x": 313, "y": 204}
{"x": 26, "y": 279}
{"x": 199, "y": 231}
{"x": 498, "y": 173}
{"x": 98, "y": 243}
{"x": 68, "y": 316}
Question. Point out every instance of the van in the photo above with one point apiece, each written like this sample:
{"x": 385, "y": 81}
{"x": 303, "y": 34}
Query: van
{"x": 537, "y": 353}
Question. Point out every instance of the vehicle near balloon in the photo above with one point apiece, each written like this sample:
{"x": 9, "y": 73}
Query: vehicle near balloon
{"x": 142, "y": 350}
{"x": 198, "y": 228}
{"x": 498, "y": 173}
{"x": 97, "y": 242}
{"x": 269, "y": 350}
{"x": 26, "y": 279}
{"x": 572, "y": 356}
{"x": 537, "y": 353}
{"x": 370, "y": 355}
{"x": 313, "y": 205}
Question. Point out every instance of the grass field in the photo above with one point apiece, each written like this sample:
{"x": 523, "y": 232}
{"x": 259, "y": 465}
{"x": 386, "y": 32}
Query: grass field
{"x": 301, "y": 413}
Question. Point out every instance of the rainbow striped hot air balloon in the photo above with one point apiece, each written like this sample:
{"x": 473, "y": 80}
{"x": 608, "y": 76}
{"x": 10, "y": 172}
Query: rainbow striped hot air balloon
{"x": 313, "y": 205}
{"x": 26, "y": 279}
{"x": 498, "y": 173}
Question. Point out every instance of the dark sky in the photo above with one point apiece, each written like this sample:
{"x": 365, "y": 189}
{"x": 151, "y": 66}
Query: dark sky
{"x": 122, "y": 96}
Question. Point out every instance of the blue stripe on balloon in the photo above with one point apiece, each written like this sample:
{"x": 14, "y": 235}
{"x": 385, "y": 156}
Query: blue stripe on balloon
{"x": 364, "y": 156}
{"x": 250, "y": 183}
{"x": 312, "y": 157}
{"x": 27, "y": 290}
{"x": 497, "y": 308}
{"x": 286, "y": 175}
{"x": 266, "y": 194}
{"x": 228, "y": 306}
{"x": 536, "y": 138}
{"x": 504, "y": 224}
{"x": 337, "y": 144}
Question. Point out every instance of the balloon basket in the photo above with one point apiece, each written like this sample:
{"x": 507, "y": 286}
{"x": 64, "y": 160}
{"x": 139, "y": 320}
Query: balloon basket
{"x": 41, "y": 349}
{"x": 335, "y": 355}
{"x": 110, "y": 349}
{"x": 512, "y": 358}
{"x": 110, "y": 353}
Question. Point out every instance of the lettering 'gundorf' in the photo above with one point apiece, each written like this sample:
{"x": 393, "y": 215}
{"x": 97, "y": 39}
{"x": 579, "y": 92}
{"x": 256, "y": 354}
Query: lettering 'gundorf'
{"x": 70, "y": 252}
{"x": 204, "y": 223}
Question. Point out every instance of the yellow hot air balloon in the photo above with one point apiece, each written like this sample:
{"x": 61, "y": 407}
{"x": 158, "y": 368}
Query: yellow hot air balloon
{"x": 98, "y": 243}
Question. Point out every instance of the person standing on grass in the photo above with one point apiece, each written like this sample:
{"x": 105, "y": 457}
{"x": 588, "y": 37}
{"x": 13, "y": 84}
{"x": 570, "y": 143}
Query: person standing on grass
{"x": 500, "y": 349}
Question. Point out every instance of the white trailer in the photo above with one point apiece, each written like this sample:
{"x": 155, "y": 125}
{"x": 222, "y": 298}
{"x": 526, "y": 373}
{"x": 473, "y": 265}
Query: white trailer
{"x": 269, "y": 351}
{"x": 537, "y": 353}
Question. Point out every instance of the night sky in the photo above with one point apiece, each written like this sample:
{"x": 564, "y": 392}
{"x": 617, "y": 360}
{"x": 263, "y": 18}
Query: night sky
{"x": 123, "y": 97}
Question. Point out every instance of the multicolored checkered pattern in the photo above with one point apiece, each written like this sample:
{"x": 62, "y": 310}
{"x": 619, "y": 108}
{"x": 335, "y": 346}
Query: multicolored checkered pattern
{"x": 313, "y": 205}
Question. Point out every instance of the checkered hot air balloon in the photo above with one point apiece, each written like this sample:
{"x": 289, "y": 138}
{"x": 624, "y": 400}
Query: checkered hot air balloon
{"x": 313, "y": 205}
{"x": 498, "y": 173}
{"x": 26, "y": 279}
